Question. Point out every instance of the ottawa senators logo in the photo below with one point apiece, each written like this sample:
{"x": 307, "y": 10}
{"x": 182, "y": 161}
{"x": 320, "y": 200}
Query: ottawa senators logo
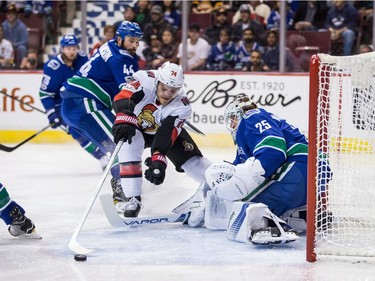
{"x": 146, "y": 119}
{"x": 188, "y": 146}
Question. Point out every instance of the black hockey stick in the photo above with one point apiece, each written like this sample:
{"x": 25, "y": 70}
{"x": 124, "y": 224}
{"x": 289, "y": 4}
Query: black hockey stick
{"x": 10, "y": 149}
{"x": 195, "y": 129}
{"x": 22, "y": 102}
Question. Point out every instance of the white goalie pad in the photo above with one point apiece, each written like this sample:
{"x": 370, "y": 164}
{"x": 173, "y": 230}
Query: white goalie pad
{"x": 217, "y": 211}
{"x": 255, "y": 223}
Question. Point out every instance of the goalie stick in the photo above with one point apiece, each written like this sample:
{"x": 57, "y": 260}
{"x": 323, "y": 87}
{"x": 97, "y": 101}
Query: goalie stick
{"x": 10, "y": 149}
{"x": 73, "y": 243}
{"x": 116, "y": 221}
{"x": 188, "y": 124}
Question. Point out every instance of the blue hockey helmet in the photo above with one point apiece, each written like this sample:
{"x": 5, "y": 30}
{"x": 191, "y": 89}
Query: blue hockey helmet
{"x": 131, "y": 29}
{"x": 69, "y": 40}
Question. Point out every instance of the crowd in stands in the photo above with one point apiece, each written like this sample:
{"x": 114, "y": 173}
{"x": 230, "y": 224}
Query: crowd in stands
{"x": 222, "y": 35}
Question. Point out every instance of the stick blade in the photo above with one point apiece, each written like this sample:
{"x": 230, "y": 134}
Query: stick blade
{"x": 110, "y": 211}
{"x": 77, "y": 248}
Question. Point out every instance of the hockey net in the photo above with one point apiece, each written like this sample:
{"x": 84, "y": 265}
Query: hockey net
{"x": 341, "y": 184}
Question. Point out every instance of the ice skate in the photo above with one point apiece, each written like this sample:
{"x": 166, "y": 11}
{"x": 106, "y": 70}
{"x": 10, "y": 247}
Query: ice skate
{"x": 132, "y": 207}
{"x": 22, "y": 226}
{"x": 273, "y": 234}
{"x": 118, "y": 195}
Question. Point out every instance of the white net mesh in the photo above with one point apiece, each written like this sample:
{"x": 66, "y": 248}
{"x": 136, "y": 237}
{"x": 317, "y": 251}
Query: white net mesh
{"x": 345, "y": 206}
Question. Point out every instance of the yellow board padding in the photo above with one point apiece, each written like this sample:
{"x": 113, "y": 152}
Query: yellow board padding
{"x": 58, "y": 136}
{"x": 50, "y": 136}
{"x": 348, "y": 144}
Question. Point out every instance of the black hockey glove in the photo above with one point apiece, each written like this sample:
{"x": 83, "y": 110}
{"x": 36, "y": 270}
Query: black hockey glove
{"x": 124, "y": 127}
{"x": 54, "y": 118}
{"x": 157, "y": 164}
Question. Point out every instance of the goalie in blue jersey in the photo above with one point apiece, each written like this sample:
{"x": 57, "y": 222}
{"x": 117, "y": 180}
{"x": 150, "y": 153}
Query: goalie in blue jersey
{"x": 14, "y": 216}
{"x": 267, "y": 179}
{"x": 56, "y": 71}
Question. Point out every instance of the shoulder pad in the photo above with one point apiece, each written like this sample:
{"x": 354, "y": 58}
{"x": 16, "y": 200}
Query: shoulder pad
{"x": 249, "y": 113}
{"x": 53, "y": 64}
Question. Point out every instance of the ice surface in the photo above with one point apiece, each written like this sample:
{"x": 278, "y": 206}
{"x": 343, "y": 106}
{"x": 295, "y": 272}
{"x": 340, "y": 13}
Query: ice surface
{"x": 54, "y": 184}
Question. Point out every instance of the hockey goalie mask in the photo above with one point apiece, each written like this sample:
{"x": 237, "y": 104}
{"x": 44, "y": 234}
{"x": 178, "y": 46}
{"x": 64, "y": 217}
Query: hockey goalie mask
{"x": 217, "y": 173}
{"x": 234, "y": 112}
{"x": 171, "y": 78}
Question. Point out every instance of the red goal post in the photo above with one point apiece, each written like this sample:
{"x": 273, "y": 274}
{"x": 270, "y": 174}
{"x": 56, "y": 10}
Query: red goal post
{"x": 341, "y": 162}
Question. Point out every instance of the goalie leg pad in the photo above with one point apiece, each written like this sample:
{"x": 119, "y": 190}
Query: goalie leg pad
{"x": 217, "y": 212}
{"x": 255, "y": 223}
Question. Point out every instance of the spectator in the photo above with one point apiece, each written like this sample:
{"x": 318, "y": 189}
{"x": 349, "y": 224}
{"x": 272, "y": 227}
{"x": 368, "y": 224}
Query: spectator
{"x": 245, "y": 47}
{"x": 43, "y": 9}
{"x": 213, "y": 32}
{"x": 109, "y": 33}
{"x": 255, "y": 63}
{"x": 197, "y": 48}
{"x": 342, "y": 22}
{"x": 258, "y": 10}
{"x": 142, "y": 12}
{"x": 202, "y": 7}
{"x": 223, "y": 53}
{"x": 168, "y": 49}
{"x": 156, "y": 25}
{"x": 310, "y": 15}
{"x": 245, "y": 22}
{"x": 30, "y": 62}
{"x": 129, "y": 15}
{"x": 152, "y": 52}
{"x": 273, "y": 21}
{"x": 271, "y": 53}
{"x": 6, "y": 51}
{"x": 365, "y": 9}
{"x": 16, "y": 32}
{"x": 68, "y": 9}
{"x": 172, "y": 14}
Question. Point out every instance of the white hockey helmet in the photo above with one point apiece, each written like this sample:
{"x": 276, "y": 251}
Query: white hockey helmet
{"x": 234, "y": 112}
{"x": 219, "y": 172}
{"x": 170, "y": 74}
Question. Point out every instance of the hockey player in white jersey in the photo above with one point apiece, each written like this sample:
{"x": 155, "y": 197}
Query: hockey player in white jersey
{"x": 14, "y": 216}
{"x": 151, "y": 111}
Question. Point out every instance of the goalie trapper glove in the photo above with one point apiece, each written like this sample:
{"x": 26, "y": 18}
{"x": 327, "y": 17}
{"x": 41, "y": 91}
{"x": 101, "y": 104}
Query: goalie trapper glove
{"x": 157, "y": 164}
{"x": 54, "y": 118}
{"x": 124, "y": 127}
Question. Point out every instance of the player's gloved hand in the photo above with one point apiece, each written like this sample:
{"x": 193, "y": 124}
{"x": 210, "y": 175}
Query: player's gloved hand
{"x": 157, "y": 164}
{"x": 54, "y": 118}
{"x": 124, "y": 127}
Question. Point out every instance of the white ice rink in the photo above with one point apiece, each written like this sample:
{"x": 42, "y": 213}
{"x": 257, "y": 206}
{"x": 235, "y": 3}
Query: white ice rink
{"x": 54, "y": 184}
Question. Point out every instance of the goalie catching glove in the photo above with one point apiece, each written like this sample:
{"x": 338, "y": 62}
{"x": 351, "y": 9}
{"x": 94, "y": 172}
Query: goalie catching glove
{"x": 124, "y": 127}
{"x": 235, "y": 182}
{"x": 157, "y": 164}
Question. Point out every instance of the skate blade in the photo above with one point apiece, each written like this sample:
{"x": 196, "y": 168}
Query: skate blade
{"x": 267, "y": 239}
{"x": 32, "y": 235}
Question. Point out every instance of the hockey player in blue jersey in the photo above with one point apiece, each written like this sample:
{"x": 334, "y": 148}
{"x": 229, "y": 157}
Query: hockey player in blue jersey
{"x": 14, "y": 216}
{"x": 88, "y": 96}
{"x": 270, "y": 171}
{"x": 56, "y": 71}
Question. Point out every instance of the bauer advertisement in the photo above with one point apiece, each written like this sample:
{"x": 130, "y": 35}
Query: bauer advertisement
{"x": 209, "y": 94}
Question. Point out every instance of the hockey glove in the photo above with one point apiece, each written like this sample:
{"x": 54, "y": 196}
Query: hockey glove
{"x": 124, "y": 127}
{"x": 157, "y": 164}
{"x": 54, "y": 118}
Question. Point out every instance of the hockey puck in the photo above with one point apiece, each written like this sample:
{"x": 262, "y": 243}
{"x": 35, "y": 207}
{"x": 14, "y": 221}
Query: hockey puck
{"x": 80, "y": 257}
